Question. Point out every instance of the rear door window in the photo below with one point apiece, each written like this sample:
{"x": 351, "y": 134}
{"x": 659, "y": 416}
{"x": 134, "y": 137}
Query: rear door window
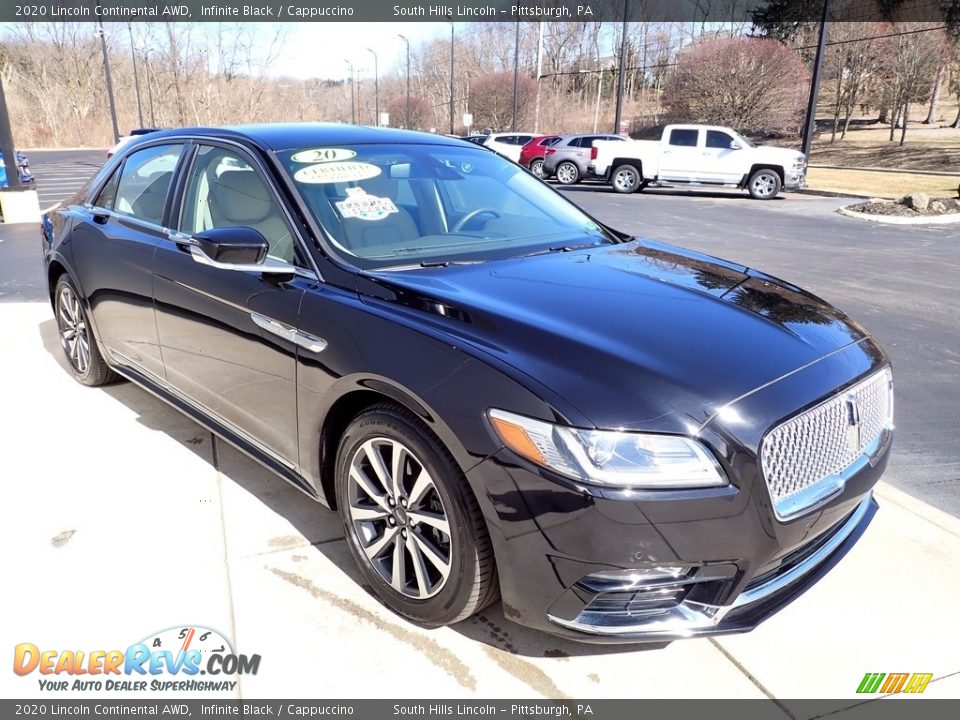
{"x": 145, "y": 182}
{"x": 683, "y": 137}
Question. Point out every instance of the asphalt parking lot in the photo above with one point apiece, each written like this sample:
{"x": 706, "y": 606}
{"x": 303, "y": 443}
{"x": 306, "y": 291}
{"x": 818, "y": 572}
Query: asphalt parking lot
{"x": 128, "y": 518}
{"x": 60, "y": 173}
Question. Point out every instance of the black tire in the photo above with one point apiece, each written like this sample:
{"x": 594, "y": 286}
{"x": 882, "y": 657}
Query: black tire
{"x": 627, "y": 179}
{"x": 84, "y": 358}
{"x": 567, "y": 173}
{"x": 471, "y": 582}
{"x": 536, "y": 167}
{"x": 764, "y": 184}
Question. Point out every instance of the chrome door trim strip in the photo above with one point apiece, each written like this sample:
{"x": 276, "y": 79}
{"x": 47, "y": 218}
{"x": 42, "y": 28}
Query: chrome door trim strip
{"x": 289, "y": 333}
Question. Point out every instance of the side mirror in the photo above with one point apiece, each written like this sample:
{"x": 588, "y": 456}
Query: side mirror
{"x": 734, "y": 145}
{"x": 235, "y": 248}
{"x": 233, "y": 245}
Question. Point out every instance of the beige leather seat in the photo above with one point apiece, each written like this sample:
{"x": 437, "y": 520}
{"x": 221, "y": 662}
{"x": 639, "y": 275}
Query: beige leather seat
{"x": 395, "y": 230}
{"x": 238, "y": 198}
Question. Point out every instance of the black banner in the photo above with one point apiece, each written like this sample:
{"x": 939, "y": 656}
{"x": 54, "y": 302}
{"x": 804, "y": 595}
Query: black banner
{"x": 696, "y": 11}
{"x": 881, "y": 708}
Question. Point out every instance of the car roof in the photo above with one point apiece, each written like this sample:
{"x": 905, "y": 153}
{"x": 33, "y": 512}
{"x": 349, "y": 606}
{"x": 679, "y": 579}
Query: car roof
{"x": 287, "y": 136}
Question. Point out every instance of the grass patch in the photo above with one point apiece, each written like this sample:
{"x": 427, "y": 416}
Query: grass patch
{"x": 880, "y": 184}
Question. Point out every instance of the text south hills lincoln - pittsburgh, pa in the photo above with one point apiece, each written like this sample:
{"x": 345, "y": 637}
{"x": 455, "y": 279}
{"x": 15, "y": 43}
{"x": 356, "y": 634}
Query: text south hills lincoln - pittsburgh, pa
{"x": 465, "y": 11}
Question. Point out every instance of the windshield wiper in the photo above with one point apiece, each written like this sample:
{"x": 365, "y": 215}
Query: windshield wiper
{"x": 561, "y": 248}
{"x": 445, "y": 263}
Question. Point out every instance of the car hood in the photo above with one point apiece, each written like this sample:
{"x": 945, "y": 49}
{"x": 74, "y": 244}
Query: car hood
{"x": 771, "y": 153}
{"x": 629, "y": 334}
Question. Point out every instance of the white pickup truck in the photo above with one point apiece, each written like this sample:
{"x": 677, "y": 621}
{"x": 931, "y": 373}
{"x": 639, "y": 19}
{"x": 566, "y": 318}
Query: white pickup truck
{"x": 698, "y": 155}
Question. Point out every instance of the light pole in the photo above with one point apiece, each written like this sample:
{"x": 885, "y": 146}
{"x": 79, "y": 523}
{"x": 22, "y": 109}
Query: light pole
{"x": 353, "y": 112}
{"x": 516, "y": 74}
{"x": 451, "y": 76}
{"x": 106, "y": 69}
{"x": 402, "y": 37}
{"x": 136, "y": 76}
{"x": 376, "y": 87}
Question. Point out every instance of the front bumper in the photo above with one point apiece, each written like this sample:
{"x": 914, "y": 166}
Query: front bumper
{"x": 735, "y": 565}
{"x": 611, "y": 565}
{"x": 795, "y": 179}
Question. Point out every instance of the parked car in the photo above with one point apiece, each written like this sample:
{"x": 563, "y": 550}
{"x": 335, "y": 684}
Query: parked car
{"x": 124, "y": 139}
{"x": 531, "y": 154}
{"x": 23, "y": 168}
{"x": 699, "y": 155}
{"x": 475, "y": 139}
{"x": 508, "y": 144}
{"x": 568, "y": 159}
{"x": 496, "y": 392}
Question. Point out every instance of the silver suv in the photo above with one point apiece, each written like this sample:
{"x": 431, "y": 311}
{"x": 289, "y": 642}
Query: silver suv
{"x": 568, "y": 159}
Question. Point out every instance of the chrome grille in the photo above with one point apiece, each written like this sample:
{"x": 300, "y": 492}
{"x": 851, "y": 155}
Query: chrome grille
{"x": 804, "y": 458}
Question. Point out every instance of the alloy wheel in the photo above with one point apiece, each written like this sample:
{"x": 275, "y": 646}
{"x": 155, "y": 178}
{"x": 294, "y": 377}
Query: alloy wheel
{"x": 398, "y": 519}
{"x": 566, "y": 173}
{"x": 74, "y": 332}
{"x": 536, "y": 167}
{"x": 625, "y": 180}
{"x": 764, "y": 184}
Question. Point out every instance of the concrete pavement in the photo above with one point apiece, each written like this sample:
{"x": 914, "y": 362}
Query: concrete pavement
{"x": 122, "y": 517}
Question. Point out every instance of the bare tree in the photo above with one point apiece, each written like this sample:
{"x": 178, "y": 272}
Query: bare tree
{"x": 491, "y": 99}
{"x": 747, "y": 83}
{"x": 909, "y": 58}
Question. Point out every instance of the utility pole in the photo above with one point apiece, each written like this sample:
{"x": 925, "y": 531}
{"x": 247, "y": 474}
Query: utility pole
{"x": 811, "y": 120}
{"x": 136, "y": 76}
{"x": 402, "y": 37}
{"x": 106, "y": 69}
{"x": 623, "y": 69}
{"x": 353, "y": 111}
{"x": 146, "y": 62}
{"x": 536, "y": 108}
{"x": 376, "y": 87}
{"x": 451, "y": 75}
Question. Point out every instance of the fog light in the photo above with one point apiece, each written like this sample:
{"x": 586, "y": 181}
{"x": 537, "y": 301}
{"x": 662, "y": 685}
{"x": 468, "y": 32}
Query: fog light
{"x": 632, "y": 579}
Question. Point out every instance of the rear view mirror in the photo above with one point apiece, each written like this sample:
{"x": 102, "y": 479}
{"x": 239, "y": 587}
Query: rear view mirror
{"x": 734, "y": 145}
{"x": 233, "y": 245}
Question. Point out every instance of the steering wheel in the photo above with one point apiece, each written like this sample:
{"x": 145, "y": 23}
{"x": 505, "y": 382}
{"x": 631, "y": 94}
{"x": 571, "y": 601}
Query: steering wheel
{"x": 461, "y": 223}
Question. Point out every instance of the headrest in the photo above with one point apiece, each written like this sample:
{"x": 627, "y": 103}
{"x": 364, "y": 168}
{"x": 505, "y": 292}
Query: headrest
{"x": 240, "y": 196}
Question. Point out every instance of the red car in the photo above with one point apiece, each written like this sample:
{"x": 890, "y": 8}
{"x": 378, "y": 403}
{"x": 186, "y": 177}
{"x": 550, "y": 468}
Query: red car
{"x": 531, "y": 154}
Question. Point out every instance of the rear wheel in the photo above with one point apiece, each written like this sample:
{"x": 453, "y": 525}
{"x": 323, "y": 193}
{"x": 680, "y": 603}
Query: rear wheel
{"x": 627, "y": 179}
{"x": 536, "y": 167}
{"x": 764, "y": 184}
{"x": 567, "y": 173}
{"x": 80, "y": 347}
{"x": 411, "y": 521}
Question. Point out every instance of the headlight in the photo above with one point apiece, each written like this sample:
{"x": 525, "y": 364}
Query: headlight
{"x": 610, "y": 457}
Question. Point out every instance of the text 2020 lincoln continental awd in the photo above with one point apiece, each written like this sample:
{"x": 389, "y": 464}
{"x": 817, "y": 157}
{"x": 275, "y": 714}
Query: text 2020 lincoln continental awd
{"x": 500, "y": 395}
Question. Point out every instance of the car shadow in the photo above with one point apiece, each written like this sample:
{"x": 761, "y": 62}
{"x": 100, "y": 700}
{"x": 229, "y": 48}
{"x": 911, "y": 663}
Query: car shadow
{"x": 319, "y": 526}
{"x": 731, "y": 194}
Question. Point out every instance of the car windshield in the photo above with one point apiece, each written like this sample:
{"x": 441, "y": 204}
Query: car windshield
{"x": 403, "y": 205}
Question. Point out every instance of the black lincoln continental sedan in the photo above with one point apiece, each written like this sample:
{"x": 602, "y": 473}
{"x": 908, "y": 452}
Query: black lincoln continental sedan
{"x": 500, "y": 395}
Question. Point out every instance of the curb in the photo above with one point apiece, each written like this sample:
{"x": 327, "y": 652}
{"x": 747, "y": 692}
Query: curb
{"x": 832, "y": 194}
{"x": 898, "y": 220}
{"x": 944, "y": 521}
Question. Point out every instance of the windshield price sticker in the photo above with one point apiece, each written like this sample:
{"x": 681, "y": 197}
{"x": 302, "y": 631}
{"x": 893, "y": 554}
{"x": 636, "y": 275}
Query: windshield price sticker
{"x": 365, "y": 207}
{"x": 336, "y": 172}
{"x": 322, "y": 155}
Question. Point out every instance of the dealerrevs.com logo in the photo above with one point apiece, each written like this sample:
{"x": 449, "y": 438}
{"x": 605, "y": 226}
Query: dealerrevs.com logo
{"x": 172, "y": 659}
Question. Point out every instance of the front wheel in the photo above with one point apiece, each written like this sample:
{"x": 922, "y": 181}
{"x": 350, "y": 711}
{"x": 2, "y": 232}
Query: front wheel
{"x": 79, "y": 344}
{"x": 411, "y": 521}
{"x": 764, "y": 184}
{"x": 567, "y": 173}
